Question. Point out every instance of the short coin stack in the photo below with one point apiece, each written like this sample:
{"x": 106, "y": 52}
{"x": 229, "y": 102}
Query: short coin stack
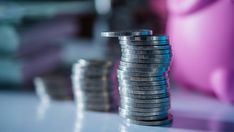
{"x": 92, "y": 85}
{"x": 142, "y": 75}
{"x": 53, "y": 87}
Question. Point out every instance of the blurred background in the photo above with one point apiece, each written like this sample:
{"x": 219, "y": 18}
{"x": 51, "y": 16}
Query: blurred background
{"x": 44, "y": 38}
{"x": 40, "y": 40}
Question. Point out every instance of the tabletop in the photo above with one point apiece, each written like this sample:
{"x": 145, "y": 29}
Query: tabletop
{"x": 25, "y": 112}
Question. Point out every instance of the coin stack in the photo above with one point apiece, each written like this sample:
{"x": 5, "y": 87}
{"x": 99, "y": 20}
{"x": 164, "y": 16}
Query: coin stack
{"x": 142, "y": 75}
{"x": 53, "y": 88}
{"x": 92, "y": 85}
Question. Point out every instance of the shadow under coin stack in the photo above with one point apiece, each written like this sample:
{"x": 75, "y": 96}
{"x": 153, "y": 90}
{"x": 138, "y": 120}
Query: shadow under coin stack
{"x": 92, "y": 85}
{"x": 143, "y": 79}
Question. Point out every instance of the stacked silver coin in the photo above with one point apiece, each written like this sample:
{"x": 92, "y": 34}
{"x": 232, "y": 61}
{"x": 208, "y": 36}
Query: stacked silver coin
{"x": 92, "y": 85}
{"x": 143, "y": 79}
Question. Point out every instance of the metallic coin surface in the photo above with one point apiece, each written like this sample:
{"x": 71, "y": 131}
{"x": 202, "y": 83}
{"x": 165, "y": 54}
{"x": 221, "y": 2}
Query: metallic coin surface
{"x": 152, "y": 122}
{"x": 150, "y": 52}
{"x": 142, "y": 113}
{"x": 136, "y": 43}
{"x": 143, "y": 78}
{"x": 142, "y": 32}
{"x": 144, "y": 38}
{"x": 139, "y": 73}
{"x": 144, "y": 118}
{"x": 150, "y": 96}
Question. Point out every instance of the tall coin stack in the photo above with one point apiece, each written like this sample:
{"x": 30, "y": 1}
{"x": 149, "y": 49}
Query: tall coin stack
{"x": 142, "y": 75}
{"x": 92, "y": 85}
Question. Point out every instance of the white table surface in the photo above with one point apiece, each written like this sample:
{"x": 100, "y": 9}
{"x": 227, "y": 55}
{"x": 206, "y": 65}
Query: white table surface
{"x": 25, "y": 112}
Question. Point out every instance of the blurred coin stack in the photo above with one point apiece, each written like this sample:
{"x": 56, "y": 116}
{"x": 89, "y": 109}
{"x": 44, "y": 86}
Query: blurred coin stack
{"x": 142, "y": 75}
{"x": 53, "y": 87}
{"x": 92, "y": 86}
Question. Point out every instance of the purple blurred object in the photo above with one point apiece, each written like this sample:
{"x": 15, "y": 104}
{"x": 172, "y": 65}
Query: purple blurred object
{"x": 201, "y": 34}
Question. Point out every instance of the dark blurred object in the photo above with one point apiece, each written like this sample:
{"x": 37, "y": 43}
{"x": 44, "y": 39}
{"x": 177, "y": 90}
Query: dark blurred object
{"x": 38, "y": 37}
{"x": 32, "y": 36}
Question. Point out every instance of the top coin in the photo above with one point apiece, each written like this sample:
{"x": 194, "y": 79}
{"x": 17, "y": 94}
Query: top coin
{"x": 141, "y": 32}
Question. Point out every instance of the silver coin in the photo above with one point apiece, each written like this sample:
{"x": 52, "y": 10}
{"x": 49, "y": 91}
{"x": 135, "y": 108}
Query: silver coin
{"x": 152, "y": 70}
{"x": 142, "y": 105}
{"x": 144, "y": 38}
{"x": 147, "y": 47}
{"x": 139, "y": 96}
{"x": 153, "y": 51}
{"x": 147, "y": 61}
{"x": 127, "y": 83}
{"x": 128, "y": 74}
{"x": 153, "y": 91}
{"x": 143, "y": 92}
{"x": 143, "y": 101}
{"x": 152, "y": 122}
{"x": 136, "y": 113}
{"x": 145, "y": 118}
{"x": 142, "y": 32}
{"x": 145, "y": 88}
{"x": 144, "y": 110}
{"x": 145, "y": 105}
{"x": 144, "y": 66}
{"x": 132, "y": 78}
{"x": 136, "y": 65}
{"x": 119, "y": 71}
{"x": 163, "y": 62}
{"x": 145, "y": 56}
{"x": 149, "y": 101}
{"x": 126, "y": 42}
{"x": 142, "y": 83}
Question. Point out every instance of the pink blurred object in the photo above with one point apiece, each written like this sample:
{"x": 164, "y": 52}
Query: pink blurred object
{"x": 201, "y": 35}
